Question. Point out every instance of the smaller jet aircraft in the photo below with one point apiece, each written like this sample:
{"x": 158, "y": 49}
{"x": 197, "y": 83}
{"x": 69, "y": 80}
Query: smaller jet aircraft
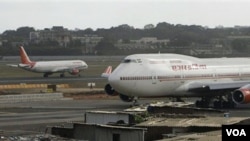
{"x": 49, "y": 67}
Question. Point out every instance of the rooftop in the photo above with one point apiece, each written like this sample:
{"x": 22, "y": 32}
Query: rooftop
{"x": 188, "y": 122}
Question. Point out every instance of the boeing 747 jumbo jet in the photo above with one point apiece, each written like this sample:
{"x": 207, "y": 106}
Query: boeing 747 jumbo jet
{"x": 222, "y": 82}
{"x": 49, "y": 67}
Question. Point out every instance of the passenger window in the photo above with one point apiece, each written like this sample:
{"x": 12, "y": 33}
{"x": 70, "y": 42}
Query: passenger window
{"x": 129, "y": 61}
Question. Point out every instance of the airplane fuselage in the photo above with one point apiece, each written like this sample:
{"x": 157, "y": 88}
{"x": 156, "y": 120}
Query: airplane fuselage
{"x": 150, "y": 75}
{"x": 54, "y": 66}
{"x": 49, "y": 67}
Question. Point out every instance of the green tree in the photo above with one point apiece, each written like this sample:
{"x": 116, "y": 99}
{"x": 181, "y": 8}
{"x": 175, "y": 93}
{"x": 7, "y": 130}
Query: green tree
{"x": 240, "y": 45}
{"x": 105, "y": 47}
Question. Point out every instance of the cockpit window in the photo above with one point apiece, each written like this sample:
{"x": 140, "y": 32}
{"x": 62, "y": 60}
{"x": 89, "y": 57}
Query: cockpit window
{"x": 129, "y": 61}
{"x": 126, "y": 61}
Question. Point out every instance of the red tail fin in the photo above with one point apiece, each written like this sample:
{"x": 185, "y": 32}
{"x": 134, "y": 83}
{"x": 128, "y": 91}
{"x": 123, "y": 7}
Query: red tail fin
{"x": 107, "y": 72}
{"x": 24, "y": 57}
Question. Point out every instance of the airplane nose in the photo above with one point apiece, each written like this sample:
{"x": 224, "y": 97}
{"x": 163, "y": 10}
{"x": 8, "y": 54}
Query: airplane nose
{"x": 113, "y": 79}
{"x": 85, "y": 65}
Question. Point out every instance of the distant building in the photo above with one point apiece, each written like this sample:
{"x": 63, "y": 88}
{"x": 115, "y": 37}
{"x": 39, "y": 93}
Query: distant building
{"x": 34, "y": 37}
{"x": 57, "y": 33}
{"x": 88, "y": 42}
{"x": 143, "y": 43}
{"x": 64, "y": 37}
{"x": 88, "y": 39}
{"x": 149, "y": 26}
{"x": 151, "y": 40}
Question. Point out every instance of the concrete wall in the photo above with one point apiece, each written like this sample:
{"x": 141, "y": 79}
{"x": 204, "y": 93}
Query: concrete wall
{"x": 105, "y": 118}
{"x": 86, "y": 132}
{"x": 155, "y": 132}
{"x": 107, "y": 133}
{"x": 62, "y": 132}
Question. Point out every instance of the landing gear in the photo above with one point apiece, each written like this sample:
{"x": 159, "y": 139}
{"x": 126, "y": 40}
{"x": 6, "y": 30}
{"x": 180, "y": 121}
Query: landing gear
{"x": 224, "y": 102}
{"x": 135, "y": 101}
{"x": 218, "y": 102}
{"x": 203, "y": 103}
{"x": 46, "y": 74}
{"x": 62, "y": 75}
{"x": 178, "y": 99}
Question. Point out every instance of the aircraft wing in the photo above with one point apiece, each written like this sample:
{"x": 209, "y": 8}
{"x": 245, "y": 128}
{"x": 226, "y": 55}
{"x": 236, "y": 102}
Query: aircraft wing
{"x": 206, "y": 87}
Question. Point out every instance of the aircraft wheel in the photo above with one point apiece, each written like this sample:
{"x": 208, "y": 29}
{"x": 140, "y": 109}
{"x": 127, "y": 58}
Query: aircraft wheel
{"x": 217, "y": 104}
{"x": 202, "y": 104}
{"x": 61, "y": 75}
{"x": 227, "y": 104}
{"x": 135, "y": 102}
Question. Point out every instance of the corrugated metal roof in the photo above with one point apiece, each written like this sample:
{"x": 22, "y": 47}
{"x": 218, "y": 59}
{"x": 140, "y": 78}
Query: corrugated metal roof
{"x": 187, "y": 122}
{"x": 111, "y": 126}
{"x": 110, "y": 112}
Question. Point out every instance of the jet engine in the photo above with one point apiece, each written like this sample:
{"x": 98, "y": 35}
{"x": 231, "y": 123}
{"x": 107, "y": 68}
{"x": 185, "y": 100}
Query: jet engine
{"x": 74, "y": 71}
{"x": 126, "y": 98}
{"x": 110, "y": 91}
{"x": 242, "y": 95}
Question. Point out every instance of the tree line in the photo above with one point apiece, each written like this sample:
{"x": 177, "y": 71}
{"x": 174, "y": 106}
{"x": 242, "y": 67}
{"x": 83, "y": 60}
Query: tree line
{"x": 179, "y": 36}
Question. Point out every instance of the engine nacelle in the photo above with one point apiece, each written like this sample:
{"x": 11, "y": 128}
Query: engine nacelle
{"x": 242, "y": 95}
{"x": 126, "y": 98}
{"x": 74, "y": 71}
{"x": 110, "y": 91}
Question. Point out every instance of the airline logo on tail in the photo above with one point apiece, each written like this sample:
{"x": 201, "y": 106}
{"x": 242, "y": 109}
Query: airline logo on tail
{"x": 25, "y": 58}
{"x": 107, "y": 72}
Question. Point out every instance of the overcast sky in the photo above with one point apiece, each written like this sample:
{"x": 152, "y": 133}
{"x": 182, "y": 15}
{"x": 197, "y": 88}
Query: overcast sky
{"x": 95, "y": 14}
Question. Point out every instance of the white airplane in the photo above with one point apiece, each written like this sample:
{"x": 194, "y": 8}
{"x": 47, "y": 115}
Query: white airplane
{"x": 223, "y": 82}
{"x": 49, "y": 67}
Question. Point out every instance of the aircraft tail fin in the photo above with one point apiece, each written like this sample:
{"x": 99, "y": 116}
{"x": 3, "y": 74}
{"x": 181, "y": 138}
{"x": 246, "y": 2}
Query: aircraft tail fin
{"x": 107, "y": 71}
{"x": 24, "y": 57}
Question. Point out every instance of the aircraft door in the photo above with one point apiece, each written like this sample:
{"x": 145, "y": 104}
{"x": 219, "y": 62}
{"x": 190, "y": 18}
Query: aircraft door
{"x": 154, "y": 78}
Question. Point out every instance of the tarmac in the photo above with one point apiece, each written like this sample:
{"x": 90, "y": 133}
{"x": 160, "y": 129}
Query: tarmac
{"x": 31, "y": 119}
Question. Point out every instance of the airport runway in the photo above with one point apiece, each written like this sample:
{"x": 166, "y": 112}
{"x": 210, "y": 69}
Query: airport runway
{"x": 34, "y": 117}
{"x": 40, "y": 80}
